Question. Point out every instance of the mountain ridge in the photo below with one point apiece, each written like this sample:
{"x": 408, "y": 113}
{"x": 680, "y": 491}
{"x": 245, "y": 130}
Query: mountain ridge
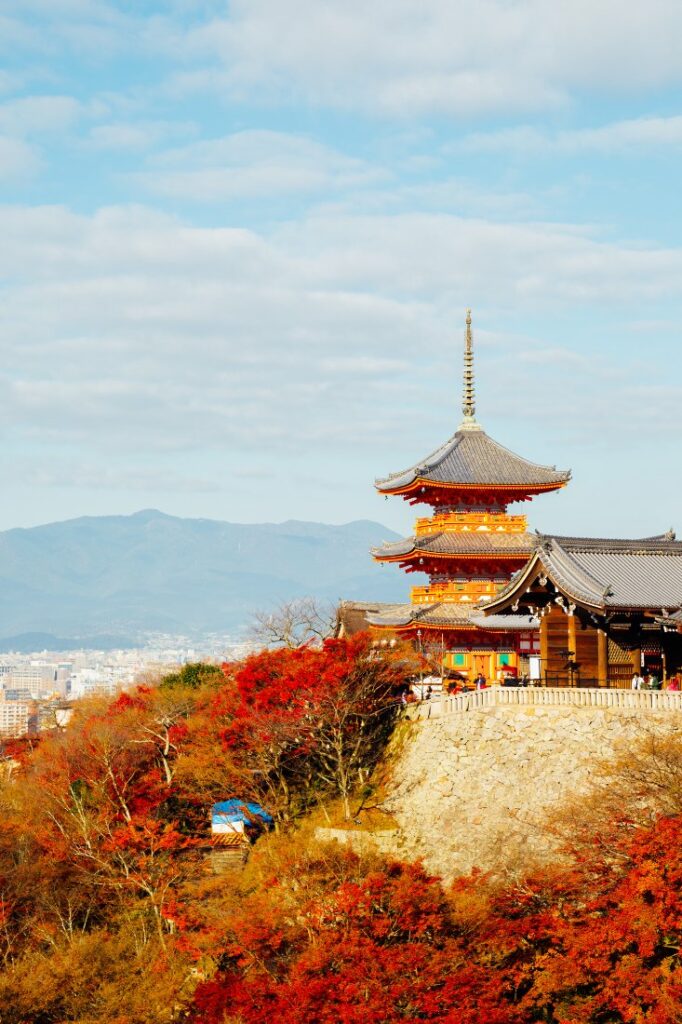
{"x": 151, "y": 571}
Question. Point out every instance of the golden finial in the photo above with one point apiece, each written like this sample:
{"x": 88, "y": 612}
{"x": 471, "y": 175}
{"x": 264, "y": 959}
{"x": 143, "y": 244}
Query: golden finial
{"x": 469, "y": 393}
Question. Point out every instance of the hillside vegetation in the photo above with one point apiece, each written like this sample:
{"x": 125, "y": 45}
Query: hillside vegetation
{"x": 109, "y": 910}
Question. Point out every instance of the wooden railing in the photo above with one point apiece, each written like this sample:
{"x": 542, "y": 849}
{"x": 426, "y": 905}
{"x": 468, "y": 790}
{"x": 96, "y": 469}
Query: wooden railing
{"x": 460, "y": 522}
{"x": 546, "y": 696}
{"x": 454, "y": 593}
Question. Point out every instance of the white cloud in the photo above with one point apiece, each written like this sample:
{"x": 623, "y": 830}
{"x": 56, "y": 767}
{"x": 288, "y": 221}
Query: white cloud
{"x": 407, "y": 57}
{"x": 64, "y": 473}
{"x": 38, "y": 114}
{"x": 9, "y": 81}
{"x": 49, "y": 26}
{"x": 434, "y": 254}
{"x": 137, "y": 135}
{"x": 451, "y": 195}
{"x": 17, "y": 159}
{"x": 129, "y": 331}
{"x": 643, "y": 134}
{"x": 15, "y": 34}
{"x": 253, "y": 163}
{"x": 403, "y": 58}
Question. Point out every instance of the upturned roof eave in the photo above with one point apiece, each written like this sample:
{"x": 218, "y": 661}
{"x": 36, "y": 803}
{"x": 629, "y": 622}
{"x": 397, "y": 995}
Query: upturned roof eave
{"x": 394, "y": 550}
{"x": 512, "y": 590}
{"x": 465, "y": 544}
{"x": 573, "y": 580}
{"x": 447, "y": 485}
{"x": 536, "y": 566}
{"x": 490, "y": 555}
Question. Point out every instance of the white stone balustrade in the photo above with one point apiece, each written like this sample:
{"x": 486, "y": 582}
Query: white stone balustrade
{"x": 544, "y": 696}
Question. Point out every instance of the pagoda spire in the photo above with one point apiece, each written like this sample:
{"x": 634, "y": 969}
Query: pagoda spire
{"x": 469, "y": 392}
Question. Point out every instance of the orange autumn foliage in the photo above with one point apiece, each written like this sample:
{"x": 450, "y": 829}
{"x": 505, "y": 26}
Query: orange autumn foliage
{"x": 108, "y": 912}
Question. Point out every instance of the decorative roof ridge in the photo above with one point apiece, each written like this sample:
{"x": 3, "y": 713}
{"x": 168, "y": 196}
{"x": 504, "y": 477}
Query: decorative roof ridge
{"x": 664, "y": 543}
{"x": 574, "y": 578}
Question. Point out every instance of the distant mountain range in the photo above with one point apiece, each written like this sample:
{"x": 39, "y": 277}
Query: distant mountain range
{"x": 105, "y": 577}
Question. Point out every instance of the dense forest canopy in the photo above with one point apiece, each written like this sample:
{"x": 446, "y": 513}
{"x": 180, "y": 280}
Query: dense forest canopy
{"x": 109, "y": 910}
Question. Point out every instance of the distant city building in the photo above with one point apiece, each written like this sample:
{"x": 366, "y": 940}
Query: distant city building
{"x": 14, "y": 717}
{"x": 34, "y": 678}
{"x": 37, "y": 690}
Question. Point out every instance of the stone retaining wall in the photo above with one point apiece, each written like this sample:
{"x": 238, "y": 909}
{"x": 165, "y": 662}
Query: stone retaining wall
{"x": 475, "y": 789}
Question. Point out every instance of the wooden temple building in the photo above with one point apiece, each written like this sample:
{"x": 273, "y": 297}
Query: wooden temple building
{"x": 469, "y": 546}
{"x": 606, "y": 607}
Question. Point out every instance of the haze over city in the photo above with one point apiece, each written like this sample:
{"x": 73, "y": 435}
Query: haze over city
{"x": 239, "y": 240}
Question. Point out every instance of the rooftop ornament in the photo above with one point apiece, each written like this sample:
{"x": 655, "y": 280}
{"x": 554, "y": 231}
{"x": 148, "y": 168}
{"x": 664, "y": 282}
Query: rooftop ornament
{"x": 469, "y": 391}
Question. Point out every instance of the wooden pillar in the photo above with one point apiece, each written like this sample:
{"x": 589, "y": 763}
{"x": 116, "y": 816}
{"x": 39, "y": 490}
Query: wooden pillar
{"x": 602, "y": 658}
{"x": 544, "y": 649}
{"x": 636, "y": 656}
{"x": 571, "y": 636}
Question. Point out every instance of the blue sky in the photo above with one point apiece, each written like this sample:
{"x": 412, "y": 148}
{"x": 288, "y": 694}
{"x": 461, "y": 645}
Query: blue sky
{"x": 239, "y": 240}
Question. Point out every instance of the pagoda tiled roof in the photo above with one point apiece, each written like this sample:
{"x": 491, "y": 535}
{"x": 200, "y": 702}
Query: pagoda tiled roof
{"x": 471, "y": 457}
{"x": 474, "y": 542}
{"x": 605, "y": 573}
{"x": 444, "y": 615}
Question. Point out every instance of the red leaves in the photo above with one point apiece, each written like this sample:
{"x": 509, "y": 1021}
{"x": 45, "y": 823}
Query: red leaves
{"x": 581, "y": 945}
{"x": 299, "y": 723}
{"x": 126, "y": 701}
{"x": 379, "y": 948}
{"x": 105, "y": 817}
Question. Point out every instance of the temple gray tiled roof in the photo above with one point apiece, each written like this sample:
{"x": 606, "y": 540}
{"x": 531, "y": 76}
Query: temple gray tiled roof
{"x": 352, "y": 616}
{"x": 671, "y": 620}
{"x": 605, "y": 574}
{"x": 471, "y": 457}
{"x": 465, "y": 543}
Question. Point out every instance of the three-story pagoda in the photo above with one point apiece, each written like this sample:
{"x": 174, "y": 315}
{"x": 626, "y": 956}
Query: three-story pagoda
{"x": 469, "y": 546}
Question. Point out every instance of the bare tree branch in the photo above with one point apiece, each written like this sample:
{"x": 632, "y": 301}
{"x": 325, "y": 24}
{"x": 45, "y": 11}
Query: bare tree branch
{"x": 302, "y": 622}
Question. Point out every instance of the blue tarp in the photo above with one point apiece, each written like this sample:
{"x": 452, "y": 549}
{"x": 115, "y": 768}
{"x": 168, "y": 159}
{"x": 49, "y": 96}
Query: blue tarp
{"x": 239, "y": 810}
